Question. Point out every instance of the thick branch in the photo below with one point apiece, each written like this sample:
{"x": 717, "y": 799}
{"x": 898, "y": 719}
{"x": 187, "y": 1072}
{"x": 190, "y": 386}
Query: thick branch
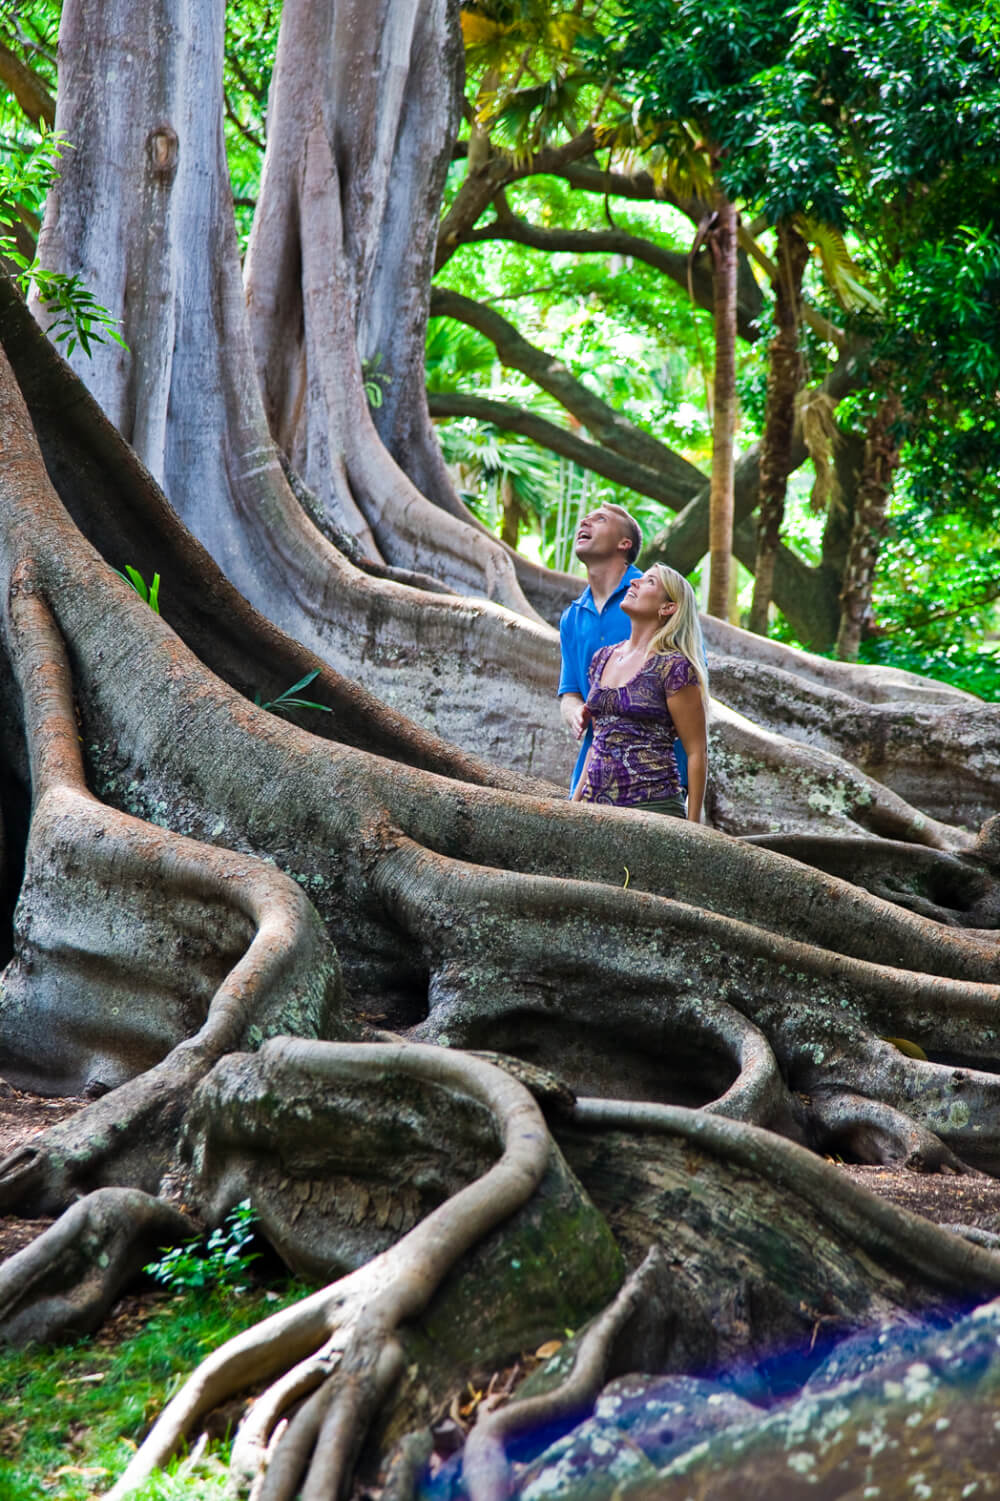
{"x": 605, "y": 424}
{"x": 672, "y": 263}
{"x": 28, "y": 89}
{"x": 483, "y": 183}
{"x": 514, "y": 419}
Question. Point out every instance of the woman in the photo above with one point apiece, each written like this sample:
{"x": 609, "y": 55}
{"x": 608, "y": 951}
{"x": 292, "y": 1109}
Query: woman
{"x": 643, "y": 695}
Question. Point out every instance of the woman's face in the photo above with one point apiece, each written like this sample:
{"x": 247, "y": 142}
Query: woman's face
{"x": 646, "y": 599}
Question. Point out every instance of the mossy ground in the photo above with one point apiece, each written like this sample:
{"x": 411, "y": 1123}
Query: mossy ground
{"x": 72, "y": 1416}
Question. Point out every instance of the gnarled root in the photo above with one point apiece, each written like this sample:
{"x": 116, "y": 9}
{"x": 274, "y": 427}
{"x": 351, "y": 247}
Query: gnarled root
{"x": 872, "y": 1131}
{"x": 485, "y": 1470}
{"x": 772, "y": 1250}
{"x": 72, "y": 942}
{"x": 345, "y": 1335}
{"x": 66, "y": 1280}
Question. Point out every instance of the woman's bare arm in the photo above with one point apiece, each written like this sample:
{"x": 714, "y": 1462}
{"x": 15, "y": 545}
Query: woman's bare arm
{"x": 688, "y": 713}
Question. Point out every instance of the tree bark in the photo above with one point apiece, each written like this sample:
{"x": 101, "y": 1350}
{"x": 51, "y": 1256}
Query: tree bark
{"x": 881, "y": 459}
{"x": 784, "y": 375}
{"x": 722, "y": 241}
{"x": 338, "y": 268}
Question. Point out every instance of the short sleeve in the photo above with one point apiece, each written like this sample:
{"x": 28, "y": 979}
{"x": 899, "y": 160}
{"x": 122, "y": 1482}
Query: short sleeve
{"x": 567, "y": 678}
{"x": 569, "y": 681}
{"x": 676, "y": 673}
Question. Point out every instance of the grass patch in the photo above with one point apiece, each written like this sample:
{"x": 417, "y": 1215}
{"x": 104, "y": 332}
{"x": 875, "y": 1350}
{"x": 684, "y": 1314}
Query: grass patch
{"x": 72, "y": 1416}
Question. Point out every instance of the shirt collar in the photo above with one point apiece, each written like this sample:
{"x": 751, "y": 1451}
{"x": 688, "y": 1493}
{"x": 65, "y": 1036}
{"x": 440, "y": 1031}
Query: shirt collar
{"x": 586, "y": 599}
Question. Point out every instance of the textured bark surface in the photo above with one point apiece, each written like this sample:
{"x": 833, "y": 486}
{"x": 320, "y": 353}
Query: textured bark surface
{"x": 784, "y": 375}
{"x": 338, "y": 271}
{"x": 881, "y": 458}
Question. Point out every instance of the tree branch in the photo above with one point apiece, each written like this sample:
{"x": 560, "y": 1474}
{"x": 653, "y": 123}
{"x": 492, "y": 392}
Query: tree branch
{"x": 483, "y": 183}
{"x": 605, "y": 425}
{"x": 244, "y": 130}
{"x": 27, "y": 87}
{"x": 672, "y": 263}
{"x": 514, "y": 419}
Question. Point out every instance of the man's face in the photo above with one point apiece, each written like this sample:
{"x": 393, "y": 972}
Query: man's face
{"x": 600, "y": 535}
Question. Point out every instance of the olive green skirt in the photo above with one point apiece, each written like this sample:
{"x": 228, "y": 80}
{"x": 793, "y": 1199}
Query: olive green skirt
{"x": 672, "y": 807}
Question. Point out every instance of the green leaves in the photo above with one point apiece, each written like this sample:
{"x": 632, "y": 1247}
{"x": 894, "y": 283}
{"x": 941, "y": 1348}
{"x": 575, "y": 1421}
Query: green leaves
{"x": 76, "y": 316}
{"x": 148, "y": 593}
{"x": 221, "y": 1261}
{"x": 288, "y": 701}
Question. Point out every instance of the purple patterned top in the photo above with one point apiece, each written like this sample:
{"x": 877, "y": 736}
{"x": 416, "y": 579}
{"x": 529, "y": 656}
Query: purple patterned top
{"x": 633, "y": 756}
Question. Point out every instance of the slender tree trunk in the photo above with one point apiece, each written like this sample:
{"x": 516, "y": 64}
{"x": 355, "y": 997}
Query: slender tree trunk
{"x": 720, "y": 543}
{"x": 784, "y": 376}
{"x": 511, "y": 510}
{"x": 874, "y": 490}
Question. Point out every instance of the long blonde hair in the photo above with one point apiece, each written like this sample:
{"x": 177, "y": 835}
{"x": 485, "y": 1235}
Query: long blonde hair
{"x": 682, "y": 632}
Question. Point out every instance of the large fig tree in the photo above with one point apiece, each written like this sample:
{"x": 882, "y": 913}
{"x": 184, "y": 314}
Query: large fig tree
{"x": 488, "y": 1064}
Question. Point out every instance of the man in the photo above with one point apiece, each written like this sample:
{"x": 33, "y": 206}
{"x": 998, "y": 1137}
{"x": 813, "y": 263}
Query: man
{"x": 607, "y": 544}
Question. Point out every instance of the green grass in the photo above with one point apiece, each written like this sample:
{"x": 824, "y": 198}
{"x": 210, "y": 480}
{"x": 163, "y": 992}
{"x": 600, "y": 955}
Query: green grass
{"x": 72, "y": 1416}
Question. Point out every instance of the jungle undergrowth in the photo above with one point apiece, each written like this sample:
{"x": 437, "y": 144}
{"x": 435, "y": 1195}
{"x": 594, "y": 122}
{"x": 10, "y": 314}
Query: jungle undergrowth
{"x": 72, "y": 1416}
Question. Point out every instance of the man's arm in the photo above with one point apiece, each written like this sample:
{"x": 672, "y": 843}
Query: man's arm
{"x": 575, "y": 714}
{"x": 572, "y": 694}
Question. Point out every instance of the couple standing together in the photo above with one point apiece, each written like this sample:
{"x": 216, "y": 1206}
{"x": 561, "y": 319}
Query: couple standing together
{"x": 634, "y": 684}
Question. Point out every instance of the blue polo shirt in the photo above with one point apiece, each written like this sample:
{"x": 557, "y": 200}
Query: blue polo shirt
{"x": 583, "y": 630}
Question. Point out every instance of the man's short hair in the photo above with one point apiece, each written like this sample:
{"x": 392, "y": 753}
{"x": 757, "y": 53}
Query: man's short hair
{"x": 630, "y": 528}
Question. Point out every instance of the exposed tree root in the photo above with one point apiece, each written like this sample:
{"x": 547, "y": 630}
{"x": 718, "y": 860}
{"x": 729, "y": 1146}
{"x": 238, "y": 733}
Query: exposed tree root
{"x": 933, "y": 747}
{"x": 872, "y": 1131}
{"x": 929, "y": 1255}
{"x": 351, "y": 1324}
{"x": 958, "y": 891}
{"x": 64, "y": 1283}
{"x": 485, "y": 1471}
{"x": 287, "y": 976}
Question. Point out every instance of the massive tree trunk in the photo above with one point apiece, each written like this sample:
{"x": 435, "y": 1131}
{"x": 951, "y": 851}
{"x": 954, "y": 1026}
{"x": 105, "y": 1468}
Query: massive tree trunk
{"x": 219, "y": 911}
{"x": 338, "y": 269}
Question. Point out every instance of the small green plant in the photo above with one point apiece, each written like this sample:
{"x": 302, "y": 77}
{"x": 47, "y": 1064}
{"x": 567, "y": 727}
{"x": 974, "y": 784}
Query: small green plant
{"x": 77, "y": 317}
{"x": 221, "y": 1260}
{"x": 148, "y": 593}
{"x": 289, "y": 700}
{"x": 375, "y": 380}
